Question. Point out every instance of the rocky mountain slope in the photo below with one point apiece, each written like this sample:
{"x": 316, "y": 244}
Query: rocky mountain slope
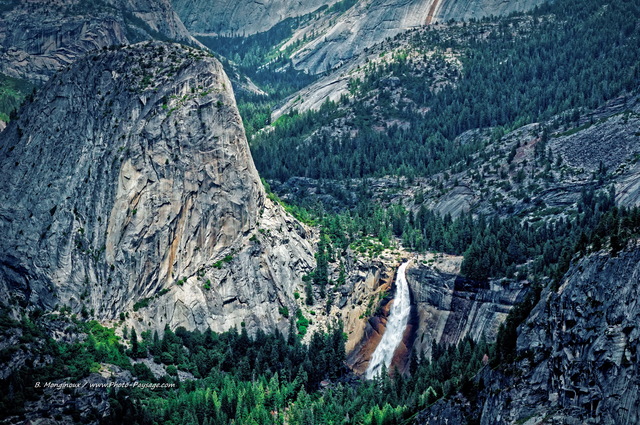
{"x": 507, "y": 176}
{"x": 581, "y": 349}
{"x": 130, "y": 196}
{"x": 577, "y": 355}
{"x": 335, "y": 41}
{"x": 450, "y": 308}
{"x": 240, "y": 18}
{"x": 39, "y": 37}
{"x": 146, "y": 204}
{"x": 464, "y": 10}
{"x": 599, "y": 148}
{"x": 335, "y": 35}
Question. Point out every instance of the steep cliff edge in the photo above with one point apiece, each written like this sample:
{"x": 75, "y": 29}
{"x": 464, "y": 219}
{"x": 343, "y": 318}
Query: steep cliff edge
{"x": 338, "y": 40}
{"x": 579, "y": 349}
{"x": 334, "y": 35}
{"x": 451, "y": 308}
{"x": 129, "y": 188}
{"x": 577, "y": 355}
{"x": 39, "y": 37}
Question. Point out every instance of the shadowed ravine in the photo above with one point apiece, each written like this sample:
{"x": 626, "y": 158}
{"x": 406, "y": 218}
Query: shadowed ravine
{"x": 398, "y": 319}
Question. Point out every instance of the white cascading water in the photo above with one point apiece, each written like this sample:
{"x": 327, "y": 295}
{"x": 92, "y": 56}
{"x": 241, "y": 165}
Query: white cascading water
{"x": 397, "y": 323}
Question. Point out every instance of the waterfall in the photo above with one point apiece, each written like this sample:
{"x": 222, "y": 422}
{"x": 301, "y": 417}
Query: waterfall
{"x": 397, "y": 323}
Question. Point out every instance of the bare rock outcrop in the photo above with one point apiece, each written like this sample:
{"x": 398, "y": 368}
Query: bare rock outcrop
{"x": 334, "y": 37}
{"x": 39, "y": 37}
{"x": 336, "y": 41}
{"x": 129, "y": 188}
{"x": 362, "y": 26}
{"x": 451, "y": 308}
{"x": 580, "y": 347}
{"x": 228, "y": 17}
{"x": 464, "y": 10}
{"x": 365, "y": 325}
{"x": 577, "y": 355}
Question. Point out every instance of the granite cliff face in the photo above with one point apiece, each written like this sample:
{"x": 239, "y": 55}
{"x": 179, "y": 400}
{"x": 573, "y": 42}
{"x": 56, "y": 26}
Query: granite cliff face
{"x": 580, "y": 347}
{"x": 332, "y": 41}
{"x": 577, "y": 359}
{"x": 446, "y": 308}
{"x": 338, "y": 40}
{"x": 129, "y": 188}
{"x": 240, "y": 18}
{"x": 334, "y": 36}
{"x": 464, "y": 10}
{"x": 450, "y": 308}
{"x": 41, "y": 36}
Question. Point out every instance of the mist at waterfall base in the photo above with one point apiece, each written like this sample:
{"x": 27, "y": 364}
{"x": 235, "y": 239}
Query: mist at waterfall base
{"x": 396, "y": 325}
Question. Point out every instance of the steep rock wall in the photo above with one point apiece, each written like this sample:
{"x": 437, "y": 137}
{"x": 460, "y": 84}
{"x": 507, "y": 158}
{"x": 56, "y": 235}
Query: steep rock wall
{"x": 365, "y": 24}
{"x": 577, "y": 355}
{"x": 129, "y": 188}
{"x": 336, "y": 41}
{"x": 366, "y": 332}
{"x": 41, "y": 36}
{"x": 463, "y": 10}
{"x": 240, "y": 18}
{"x": 451, "y": 308}
{"x": 581, "y": 345}
{"x": 332, "y": 39}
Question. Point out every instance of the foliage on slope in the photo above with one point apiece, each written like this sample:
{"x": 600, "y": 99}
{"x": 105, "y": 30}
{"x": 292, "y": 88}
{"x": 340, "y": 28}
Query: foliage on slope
{"x": 12, "y": 92}
{"x": 403, "y": 117}
{"x": 227, "y": 378}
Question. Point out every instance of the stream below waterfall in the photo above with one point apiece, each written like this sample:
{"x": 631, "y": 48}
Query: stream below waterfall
{"x": 396, "y": 325}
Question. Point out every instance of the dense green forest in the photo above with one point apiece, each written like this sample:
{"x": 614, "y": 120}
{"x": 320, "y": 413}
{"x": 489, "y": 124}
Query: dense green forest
{"x": 567, "y": 55}
{"x": 234, "y": 377}
{"x": 492, "y": 247}
{"x": 275, "y": 379}
{"x": 563, "y": 57}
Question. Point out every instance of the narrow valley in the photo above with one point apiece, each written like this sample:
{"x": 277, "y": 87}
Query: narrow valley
{"x": 361, "y": 212}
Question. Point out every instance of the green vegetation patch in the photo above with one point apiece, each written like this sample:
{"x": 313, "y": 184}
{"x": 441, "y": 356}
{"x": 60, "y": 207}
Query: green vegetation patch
{"x": 402, "y": 121}
{"x": 13, "y": 91}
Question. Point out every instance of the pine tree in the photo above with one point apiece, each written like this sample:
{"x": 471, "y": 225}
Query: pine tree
{"x": 134, "y": 344}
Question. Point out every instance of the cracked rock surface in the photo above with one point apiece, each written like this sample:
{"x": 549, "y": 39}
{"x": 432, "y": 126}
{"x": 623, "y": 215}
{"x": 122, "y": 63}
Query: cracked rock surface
{"x": 582, "y": 345}
{"x": 38, "y": 37}
{"x": 129, "y": 188}
{"x": 577, "y": 359}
